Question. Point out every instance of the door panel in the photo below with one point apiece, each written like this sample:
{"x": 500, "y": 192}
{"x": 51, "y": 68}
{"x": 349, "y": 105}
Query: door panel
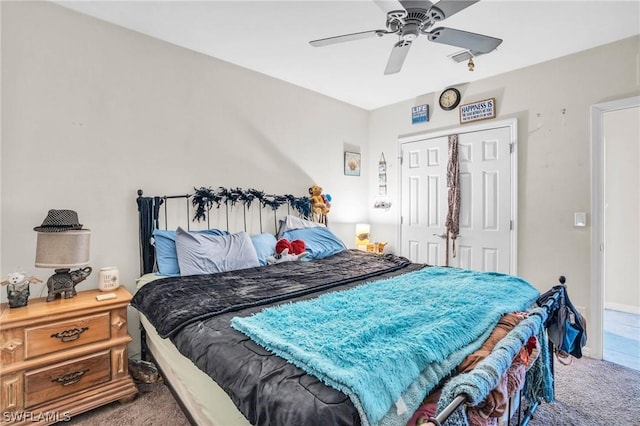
{"x": 424, "y": 194}
{"x": 485, "y": 206}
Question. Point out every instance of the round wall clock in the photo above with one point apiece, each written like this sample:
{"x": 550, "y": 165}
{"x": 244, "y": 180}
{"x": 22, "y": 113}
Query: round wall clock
{"x": 449, "y": 98}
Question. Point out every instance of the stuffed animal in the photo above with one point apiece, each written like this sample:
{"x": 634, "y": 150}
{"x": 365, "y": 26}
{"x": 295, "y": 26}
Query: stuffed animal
{"x": 284, "y": 256}
{"x": 18, "y": 288}
{"x": 319, "y": 202}
{"x": 288, "y": 251}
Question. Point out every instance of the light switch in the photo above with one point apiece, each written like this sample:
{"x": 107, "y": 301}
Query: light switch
{"x": 580, "y": 219}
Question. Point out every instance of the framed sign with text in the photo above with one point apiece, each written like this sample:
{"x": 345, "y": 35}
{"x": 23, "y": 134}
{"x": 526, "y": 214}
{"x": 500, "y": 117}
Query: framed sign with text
{"x": 420, "y": 114}
{"x": 481, "y": 110}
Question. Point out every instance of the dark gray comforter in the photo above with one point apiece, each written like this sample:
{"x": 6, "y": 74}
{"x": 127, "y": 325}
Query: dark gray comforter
{"x": 195, "y": 312}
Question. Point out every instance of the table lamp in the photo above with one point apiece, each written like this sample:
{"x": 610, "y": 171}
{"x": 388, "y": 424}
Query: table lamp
{"x": 62, "y": 244}
{"x": 362, "y": 236}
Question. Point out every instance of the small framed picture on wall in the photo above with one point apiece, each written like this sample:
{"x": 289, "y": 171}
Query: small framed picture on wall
{"x": 351, "y": 163}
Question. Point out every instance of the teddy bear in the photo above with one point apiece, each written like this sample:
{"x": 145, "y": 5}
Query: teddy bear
{"x": 319, "y": 202}
{"x": 18, "y": 288}
{"x": 288, "y": 251}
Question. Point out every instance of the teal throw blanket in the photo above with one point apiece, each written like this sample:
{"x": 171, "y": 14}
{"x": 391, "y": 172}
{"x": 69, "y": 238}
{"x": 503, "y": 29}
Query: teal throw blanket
{"x": 373, "y": 341}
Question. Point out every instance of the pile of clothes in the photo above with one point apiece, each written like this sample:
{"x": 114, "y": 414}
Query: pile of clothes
{"x": 492, "y": 410}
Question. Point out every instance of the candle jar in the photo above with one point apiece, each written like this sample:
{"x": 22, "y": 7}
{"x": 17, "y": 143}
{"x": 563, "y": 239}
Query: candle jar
{"x": 109, "y": 278}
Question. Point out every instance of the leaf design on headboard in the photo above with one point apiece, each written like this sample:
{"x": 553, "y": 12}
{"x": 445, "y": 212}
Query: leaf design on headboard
{"x": 204, "y": 198}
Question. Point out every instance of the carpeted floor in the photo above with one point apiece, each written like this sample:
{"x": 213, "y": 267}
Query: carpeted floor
{"x": 588, "y": 392}
{"x": 591, "y": 392}
{"x": 153, "y": 406}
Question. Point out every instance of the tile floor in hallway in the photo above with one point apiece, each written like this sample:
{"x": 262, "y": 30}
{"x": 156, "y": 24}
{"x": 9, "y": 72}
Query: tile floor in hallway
{"x": 622, "y": 338}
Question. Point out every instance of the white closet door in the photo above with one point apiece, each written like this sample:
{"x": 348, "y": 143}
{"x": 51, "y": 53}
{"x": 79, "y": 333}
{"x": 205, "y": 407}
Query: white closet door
{"x": 484, "y": 243}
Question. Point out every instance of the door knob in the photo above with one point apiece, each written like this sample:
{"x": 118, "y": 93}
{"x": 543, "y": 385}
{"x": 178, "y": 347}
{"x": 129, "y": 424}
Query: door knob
{"x": 443, "y": 236}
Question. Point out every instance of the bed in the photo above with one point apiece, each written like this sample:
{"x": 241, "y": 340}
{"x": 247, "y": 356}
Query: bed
{"x": 344, "y": 338}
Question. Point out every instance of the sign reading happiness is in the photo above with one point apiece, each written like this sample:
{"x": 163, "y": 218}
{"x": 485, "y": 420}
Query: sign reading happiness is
{"x": 481, "y": 110}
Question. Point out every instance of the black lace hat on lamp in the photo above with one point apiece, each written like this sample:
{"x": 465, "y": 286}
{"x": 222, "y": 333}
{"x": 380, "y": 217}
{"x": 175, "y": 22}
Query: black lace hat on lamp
{"x": 62, "y": 244}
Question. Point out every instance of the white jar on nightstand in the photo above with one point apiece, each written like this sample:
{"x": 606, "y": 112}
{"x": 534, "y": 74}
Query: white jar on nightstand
{"x": 109, "y": 278}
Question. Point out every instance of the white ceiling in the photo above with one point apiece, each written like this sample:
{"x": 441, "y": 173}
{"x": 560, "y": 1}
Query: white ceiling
{"x": 272, "y": 37}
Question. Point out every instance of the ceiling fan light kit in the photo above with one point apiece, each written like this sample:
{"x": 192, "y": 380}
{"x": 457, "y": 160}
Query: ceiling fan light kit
{"x": 458, "y": 57}
{"x": 418, "y": 17}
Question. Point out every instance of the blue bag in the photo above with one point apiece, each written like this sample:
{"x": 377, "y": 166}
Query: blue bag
{"x": 566, "y": 327}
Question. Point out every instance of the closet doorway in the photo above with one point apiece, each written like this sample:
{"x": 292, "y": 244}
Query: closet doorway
{"x": 615, "y": 328}
{"x": 488, "y": 198}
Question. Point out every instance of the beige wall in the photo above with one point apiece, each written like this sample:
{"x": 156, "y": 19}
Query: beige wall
{"x": 1, "y": 197}
{"x": 92, "y": 112}
{"x": 622, "y": 210}
{"x": 551, "y": 102}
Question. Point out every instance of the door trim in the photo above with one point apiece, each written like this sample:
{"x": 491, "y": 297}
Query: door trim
{"x": 512, "y": 124}
{"x": 597, "y": 218}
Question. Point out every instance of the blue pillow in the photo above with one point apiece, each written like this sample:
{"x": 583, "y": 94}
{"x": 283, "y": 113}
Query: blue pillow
{"x": 265, "y": 245}
{"x": 208, "y": 254}
{"x": 320, "y": 241}
{"x": 165, "y": 244}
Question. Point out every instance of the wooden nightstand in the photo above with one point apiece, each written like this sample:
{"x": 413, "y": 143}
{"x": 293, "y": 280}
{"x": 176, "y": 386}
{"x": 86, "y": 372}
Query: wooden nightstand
{"x": 64, "y": 357}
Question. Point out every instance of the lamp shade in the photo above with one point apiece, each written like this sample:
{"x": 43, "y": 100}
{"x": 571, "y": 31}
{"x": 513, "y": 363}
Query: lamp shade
{"x": 362, "y": 236}
{"x": 363, "y": 230}
{"x": 68, "y": 249}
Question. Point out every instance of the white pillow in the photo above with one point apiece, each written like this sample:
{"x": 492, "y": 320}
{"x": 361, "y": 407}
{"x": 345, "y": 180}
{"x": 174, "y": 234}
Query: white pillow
{"x": 289, "y": 223}
{"x": 209, "y": 254}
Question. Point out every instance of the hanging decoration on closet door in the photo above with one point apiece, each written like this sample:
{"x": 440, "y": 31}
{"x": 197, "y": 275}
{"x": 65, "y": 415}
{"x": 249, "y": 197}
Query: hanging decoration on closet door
{"x": 382, "y": 201}
{"x": 453, "y": 196}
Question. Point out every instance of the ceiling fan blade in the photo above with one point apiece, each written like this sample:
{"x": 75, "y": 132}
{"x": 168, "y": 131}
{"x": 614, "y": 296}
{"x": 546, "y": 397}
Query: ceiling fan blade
{"x": 397, "y": 57}
{"x": 415, "y": 4}
{"x": 388, "y": 5}
{"x": 451, "y": 7}
{"x": 476, "y": 42}
{"x": 346, "y": 37}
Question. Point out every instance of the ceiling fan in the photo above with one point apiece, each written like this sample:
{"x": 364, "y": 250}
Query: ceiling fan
{"x": 418, "y": 17}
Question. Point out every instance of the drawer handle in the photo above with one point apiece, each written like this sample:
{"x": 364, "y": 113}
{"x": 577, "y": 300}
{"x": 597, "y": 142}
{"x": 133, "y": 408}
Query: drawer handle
{"x": 71, "y": 378}
{"x": 70, "y": 334}
{"x": 11, "y": 346}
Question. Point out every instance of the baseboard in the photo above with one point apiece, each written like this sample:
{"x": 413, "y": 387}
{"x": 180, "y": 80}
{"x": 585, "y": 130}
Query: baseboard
{"x": 629, "y": 309}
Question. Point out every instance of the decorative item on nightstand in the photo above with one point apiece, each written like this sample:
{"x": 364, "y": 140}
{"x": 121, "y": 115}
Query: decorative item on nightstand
{"x": 18, "y": 288}
{"x": 108, "y": 278}
{"x": 362, "y": 236}
{"x": 377, "y": 248}
{"x": 62, "y": 244}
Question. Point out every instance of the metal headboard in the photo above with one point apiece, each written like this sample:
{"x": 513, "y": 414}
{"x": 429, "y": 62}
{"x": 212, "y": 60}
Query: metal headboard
{"x": 205, "y": 206}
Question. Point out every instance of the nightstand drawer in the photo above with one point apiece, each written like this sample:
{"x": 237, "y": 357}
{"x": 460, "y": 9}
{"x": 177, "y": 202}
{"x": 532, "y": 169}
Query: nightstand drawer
{"x": 63, "y": 335}
{"x": 48, "y": 383}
